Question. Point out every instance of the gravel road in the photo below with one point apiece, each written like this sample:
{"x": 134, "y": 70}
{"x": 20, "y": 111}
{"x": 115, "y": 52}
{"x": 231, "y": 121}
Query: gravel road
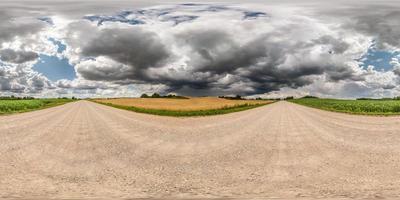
{"x": 86, "y": 150}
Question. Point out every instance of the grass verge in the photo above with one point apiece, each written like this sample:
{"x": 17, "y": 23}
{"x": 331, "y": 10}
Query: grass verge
{"x": 181, "y": 113}
{"x": 361, "y": 107}
{"x": 19, "y": 106}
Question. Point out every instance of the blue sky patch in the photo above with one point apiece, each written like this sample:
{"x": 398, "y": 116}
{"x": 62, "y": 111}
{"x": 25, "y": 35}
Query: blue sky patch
{"x": 48, "y": 20}
{"x": 60, "y": 46}
{"x": 378, "y": 58}
{"x": 253, "y": 15}
{"x": 54, "y": 68}
{"x": 137, "y": 17}
{"x": 214, "y": 9}
{"x": 154, "y": 12}
{"x": 180, "y": 19}
{"x": 120, "y": 17}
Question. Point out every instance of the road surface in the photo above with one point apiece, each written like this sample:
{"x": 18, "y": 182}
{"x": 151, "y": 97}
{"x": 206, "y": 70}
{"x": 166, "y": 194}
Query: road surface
{"x": 86, "y": 150}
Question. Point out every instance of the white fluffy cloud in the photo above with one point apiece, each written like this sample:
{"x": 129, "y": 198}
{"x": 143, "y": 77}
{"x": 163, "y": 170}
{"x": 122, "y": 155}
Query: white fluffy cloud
{"x": 22, "y": 80}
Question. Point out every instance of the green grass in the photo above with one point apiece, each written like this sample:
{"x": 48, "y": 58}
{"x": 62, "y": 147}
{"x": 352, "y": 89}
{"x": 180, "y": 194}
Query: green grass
{"x": 17, "y": 106}
{"x": 181, "y": 113}
{"x": 364, "y": 107}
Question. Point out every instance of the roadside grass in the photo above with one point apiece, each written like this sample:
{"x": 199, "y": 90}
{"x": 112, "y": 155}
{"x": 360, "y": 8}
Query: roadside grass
{"x": 18, "y": 106}
{"x": 362, "y": 107}
{"x": 188, "y": 113}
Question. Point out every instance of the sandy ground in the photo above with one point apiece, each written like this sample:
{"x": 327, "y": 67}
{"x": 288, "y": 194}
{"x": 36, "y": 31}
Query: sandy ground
{"x": 86, "y": 150}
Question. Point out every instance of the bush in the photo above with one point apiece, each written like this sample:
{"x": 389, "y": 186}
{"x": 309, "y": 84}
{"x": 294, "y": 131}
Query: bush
{"x": 289, "y": 98}
{"x": 169, "y": 96}
{"x": 310, "y": 97}
{"x": 155, "y": 95}
{"x": 237, "y": 97}
{"x": 144, "y": 96}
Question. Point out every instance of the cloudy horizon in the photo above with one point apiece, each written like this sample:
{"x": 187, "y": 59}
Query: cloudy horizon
{"x": 258, "y": 48}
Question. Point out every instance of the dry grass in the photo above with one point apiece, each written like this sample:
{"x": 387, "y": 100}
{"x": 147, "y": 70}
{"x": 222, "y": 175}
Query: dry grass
{"x": 191, "y": 104}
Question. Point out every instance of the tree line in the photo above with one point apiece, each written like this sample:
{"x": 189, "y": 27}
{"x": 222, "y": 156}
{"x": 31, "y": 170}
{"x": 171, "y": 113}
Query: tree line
{"x": 156, "y": 95}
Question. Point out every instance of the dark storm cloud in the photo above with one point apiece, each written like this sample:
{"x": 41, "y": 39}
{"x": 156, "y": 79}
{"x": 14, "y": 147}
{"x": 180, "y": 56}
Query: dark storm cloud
{"x": 215, "y": 51}
{"x": 12, "y": 56}
{"x": 381, "y": 23}
{"x": 4, "y": 81}
{"x": 136, "y": 48}
{"x": 378, "y": 19}
{"x": 11, "y": 29}
{"x": 396, "y": 70}
{"x": 259, "y": 64}
{"x": 38, "y": 83}
{"x": 337, "y": 46}
{"x": 12, "y": 25}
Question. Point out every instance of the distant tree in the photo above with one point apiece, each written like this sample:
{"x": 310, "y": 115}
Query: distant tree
{"x": 310, "y": 97}
{"x": 144, "y": 96}
{"x": 155, "y": 95}
{"x": 364, "y": 98}
{"x": 73, "y": 98}
{"x": 289, "y": 98}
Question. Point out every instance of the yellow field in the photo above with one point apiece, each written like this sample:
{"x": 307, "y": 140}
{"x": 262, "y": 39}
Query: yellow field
{"x": 199, "y": 103}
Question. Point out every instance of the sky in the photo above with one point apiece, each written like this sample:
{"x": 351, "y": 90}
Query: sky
{"x": 104, "y": 48}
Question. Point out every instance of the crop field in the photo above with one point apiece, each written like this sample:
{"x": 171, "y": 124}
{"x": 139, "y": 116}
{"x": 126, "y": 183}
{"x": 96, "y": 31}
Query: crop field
{"x": 183, "y": 107}
{"x": 201, "y": 103}
{"x": 15, "y": 106}
{"x": 367, "y": 107}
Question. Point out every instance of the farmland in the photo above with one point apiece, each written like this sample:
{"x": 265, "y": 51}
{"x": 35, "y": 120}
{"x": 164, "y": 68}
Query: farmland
{"x": 365, "y": 107}
{"x": 24, "y": 105}
{"x": 183, "y": 107}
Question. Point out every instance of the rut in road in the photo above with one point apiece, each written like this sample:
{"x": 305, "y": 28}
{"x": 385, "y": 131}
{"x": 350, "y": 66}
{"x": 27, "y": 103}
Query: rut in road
{"x": 84, "y": 149}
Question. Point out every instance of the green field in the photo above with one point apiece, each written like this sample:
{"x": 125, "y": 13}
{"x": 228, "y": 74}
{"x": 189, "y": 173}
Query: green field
{"x": 365, "y": 107}
{"x": 16, "y": 106}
